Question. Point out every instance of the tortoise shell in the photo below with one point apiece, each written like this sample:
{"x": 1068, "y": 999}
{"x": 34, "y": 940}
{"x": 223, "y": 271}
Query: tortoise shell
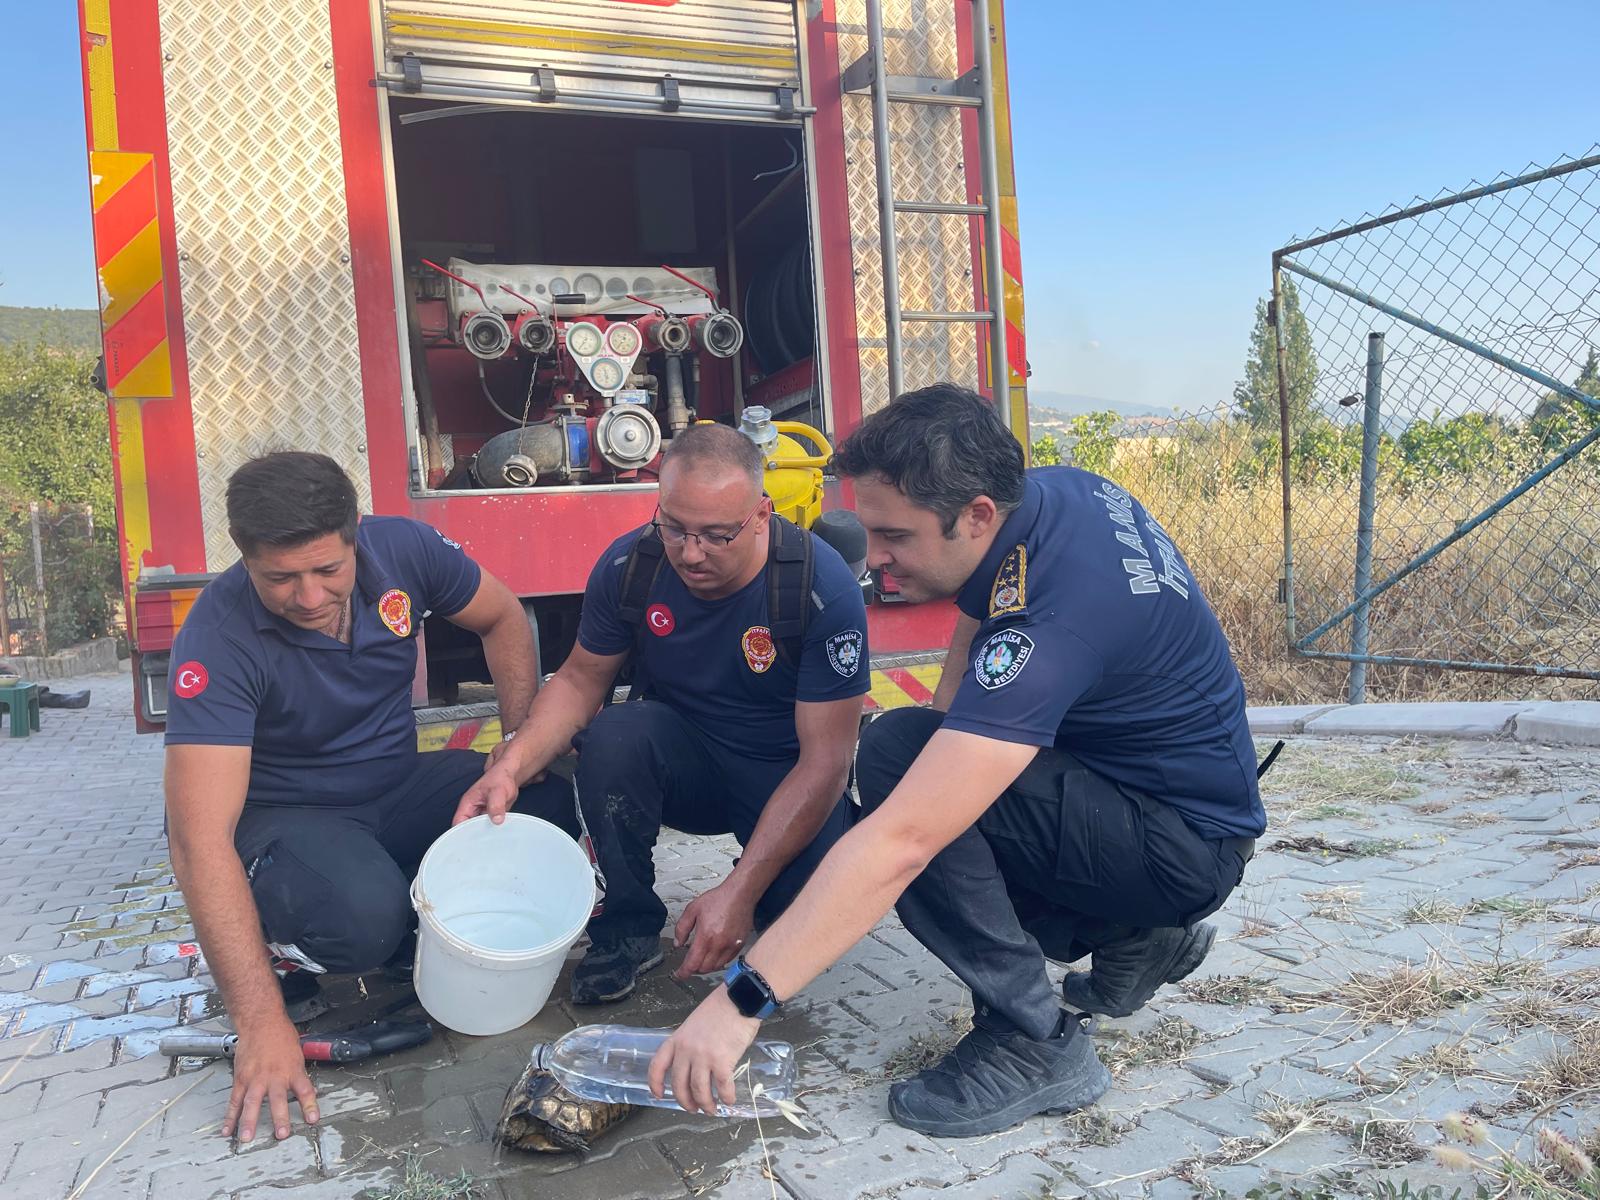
{"x": 541, "y": 1115}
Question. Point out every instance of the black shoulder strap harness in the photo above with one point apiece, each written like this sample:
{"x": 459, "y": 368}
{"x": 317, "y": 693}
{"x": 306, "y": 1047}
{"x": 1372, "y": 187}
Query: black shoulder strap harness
{"x": 790, "y": 562}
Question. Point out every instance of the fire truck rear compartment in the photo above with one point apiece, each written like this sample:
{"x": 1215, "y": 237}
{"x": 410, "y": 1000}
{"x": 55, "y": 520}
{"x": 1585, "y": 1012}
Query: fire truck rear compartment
{"x": 519, "y": 227}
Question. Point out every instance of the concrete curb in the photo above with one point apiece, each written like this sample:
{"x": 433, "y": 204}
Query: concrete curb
{"x": 1547, "y": 722}
{"x": 88, "y": 658}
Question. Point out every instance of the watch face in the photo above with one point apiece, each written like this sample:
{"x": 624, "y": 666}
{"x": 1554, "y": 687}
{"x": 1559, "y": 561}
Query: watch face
{"x": 747, "y": 995}
{"x": 584, "y": 340}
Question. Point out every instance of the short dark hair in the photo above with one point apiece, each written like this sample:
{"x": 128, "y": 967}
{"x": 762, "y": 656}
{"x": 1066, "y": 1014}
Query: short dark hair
{"x": 718, "y": 445}
{"x": 942, "y": 447}
{"x": 288, "y": 498}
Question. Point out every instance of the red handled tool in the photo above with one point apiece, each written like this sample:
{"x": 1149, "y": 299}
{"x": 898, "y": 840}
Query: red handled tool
{"x": 365, "y": 1041}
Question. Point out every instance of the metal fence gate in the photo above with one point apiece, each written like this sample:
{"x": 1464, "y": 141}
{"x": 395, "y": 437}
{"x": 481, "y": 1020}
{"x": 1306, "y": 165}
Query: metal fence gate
{"x": 1438, "y": 394}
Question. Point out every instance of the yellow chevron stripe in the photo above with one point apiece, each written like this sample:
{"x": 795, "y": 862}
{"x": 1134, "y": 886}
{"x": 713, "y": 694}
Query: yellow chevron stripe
{"x": 109, "y": 172}
{"x": 434, "y": 737}
{"x": 554, "y": 37}
{"x": 132, "y": 272}
{"x": 887, "y": 694}
{"x": 152, "y": 377}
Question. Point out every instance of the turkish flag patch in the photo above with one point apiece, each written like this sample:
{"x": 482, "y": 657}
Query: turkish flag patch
{"x": 190, "y": 680}
{"x": 660, "y": 619}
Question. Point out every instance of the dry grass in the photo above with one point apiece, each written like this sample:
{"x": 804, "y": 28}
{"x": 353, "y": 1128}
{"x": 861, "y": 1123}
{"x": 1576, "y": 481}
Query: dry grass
{"x": 1307, "y": 783}
{"x": 1513, "y": 592}
{"x": 1515, "y": 909}
{"x": 1411, "y": 991}
{"x": 1335, "y": 903}
{"x": 1446, "y": 1058}
{"x": 1315, "y": 843}
{"x": 1388, "y": 1143}
{"x": 1574, "y": 1068}
{"x": 1234, "y": 991}
{"x": 1170, "y": 1043}
{"x": 1585, "y": 937}
{"x": 1097, "y": 1127}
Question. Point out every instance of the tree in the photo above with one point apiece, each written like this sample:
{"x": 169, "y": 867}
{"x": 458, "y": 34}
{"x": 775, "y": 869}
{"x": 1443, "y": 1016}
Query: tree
{"x": 57, "y": 452}
{"x": 1094, "y": 440}
{"x": 1559, "y": 419}
{"x": 1045, "y": 451}
{"x": 1256, "y": 395}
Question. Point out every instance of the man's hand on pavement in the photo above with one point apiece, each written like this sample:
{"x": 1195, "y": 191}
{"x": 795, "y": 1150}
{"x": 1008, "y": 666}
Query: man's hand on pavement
{"x": 702, "y": 1053}
{"x": 494, "y": 793}
{"x": 716, "y": 925}
{"x": 270, "y": 1066}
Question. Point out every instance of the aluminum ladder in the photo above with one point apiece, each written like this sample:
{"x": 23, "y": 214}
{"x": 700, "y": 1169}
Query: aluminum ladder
{"x": 974, "y": 89}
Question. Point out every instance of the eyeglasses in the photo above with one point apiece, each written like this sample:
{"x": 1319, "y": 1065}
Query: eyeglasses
{"x": 672, "y": 535}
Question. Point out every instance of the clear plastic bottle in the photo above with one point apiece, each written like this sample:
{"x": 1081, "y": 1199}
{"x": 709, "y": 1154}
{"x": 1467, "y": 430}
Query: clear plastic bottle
{"x": 611, "y": 1064}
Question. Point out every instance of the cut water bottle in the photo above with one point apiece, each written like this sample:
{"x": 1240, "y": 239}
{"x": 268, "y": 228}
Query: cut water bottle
{"x": 611, "y": 1064}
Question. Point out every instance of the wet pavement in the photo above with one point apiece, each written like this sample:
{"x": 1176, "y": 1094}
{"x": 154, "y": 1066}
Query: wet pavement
{"x": 1418, "y": 935}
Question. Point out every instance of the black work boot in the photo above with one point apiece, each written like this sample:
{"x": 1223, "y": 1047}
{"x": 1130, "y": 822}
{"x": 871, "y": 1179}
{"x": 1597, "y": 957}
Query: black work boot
{"x": 611, "y": 969}
{"x": 993, "y": 1080}
{"x": 1127, "y": 972}
{"x": 302, "y": 994}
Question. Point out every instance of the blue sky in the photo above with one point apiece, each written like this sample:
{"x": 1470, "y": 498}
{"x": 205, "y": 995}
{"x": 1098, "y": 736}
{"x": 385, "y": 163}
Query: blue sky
{"x": 1163, "y": 150}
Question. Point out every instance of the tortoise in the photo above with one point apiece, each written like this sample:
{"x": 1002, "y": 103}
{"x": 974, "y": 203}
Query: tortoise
{"x": 541, "y": 1115}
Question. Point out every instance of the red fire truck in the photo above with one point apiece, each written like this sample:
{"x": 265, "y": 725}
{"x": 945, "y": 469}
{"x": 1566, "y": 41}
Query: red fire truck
{"x": 491, "y": 255}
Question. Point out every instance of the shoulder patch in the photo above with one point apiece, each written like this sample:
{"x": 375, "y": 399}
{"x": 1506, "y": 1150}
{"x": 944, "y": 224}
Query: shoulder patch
{"x": 448, "y": 542}
{"x": 191, "y": 679}
{"x": 1009, "y": 593}
{"x": 844, "y": 652}
{"x": 1002, "y": 658}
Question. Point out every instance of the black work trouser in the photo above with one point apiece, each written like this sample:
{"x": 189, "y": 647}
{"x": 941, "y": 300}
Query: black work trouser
{"x": 1064, "y": 861}
{"x": 642, "y": 765}
{"x": 334, "y": 882}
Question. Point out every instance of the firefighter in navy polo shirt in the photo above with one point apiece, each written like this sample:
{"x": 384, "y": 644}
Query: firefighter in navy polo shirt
{"x": 298, "y": 806}
{"x": 752, "y": 678}
{"x": 1084, "y": 783}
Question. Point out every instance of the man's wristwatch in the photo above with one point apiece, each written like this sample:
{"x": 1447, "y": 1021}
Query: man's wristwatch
{"x": 750, "y": 993}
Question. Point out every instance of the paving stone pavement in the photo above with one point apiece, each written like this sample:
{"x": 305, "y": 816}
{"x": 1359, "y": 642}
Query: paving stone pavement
{"x": 1418, "y": 934}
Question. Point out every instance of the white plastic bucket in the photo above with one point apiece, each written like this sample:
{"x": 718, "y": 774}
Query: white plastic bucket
{"x": 498, "y": 907}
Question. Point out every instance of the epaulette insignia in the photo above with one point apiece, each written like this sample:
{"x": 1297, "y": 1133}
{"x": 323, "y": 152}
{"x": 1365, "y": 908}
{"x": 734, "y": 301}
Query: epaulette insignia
{"x": 1010, "y": 591}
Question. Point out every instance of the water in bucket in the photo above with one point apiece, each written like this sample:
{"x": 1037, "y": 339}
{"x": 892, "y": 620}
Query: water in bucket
{"x": 498, "y": 907}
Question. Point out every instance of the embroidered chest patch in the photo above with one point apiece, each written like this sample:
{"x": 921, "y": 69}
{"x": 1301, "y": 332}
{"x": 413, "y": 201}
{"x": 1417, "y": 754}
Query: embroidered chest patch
{"x": 760, "y": 651}
{"x": 394, "y": 610}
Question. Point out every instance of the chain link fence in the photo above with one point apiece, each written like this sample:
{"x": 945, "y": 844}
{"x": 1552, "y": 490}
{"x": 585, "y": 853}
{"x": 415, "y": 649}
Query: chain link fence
{"x": 1437, "y": 382}
{"x": 1479, "y": 432}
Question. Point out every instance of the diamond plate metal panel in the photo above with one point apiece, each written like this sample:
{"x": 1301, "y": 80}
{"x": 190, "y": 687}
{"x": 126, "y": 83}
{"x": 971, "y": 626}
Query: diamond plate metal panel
{"x": 935, "y": 252}
{"x": 263, "y": 241}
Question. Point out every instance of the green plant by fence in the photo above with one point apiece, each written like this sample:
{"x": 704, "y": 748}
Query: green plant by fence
{"x": 58, "y": 555}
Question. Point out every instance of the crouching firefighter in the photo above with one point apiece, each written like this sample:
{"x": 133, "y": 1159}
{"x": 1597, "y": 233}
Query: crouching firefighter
{"x": 747, "y": 640}
{"x": 1084, "y": 784}
{"x": 298, "y": 807}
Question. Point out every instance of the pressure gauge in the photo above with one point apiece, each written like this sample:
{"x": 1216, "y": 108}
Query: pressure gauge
{"x": 584, "y": 340}
{"x": 622, "y": 340}
{"x": 606, "y": 374}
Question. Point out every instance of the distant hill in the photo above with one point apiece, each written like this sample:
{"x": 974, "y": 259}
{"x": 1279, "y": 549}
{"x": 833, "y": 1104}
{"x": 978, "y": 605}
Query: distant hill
{"x": 1071, "y": 404}
{"x": 68, "y": 328}
{"x": 1052, "y": 412}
